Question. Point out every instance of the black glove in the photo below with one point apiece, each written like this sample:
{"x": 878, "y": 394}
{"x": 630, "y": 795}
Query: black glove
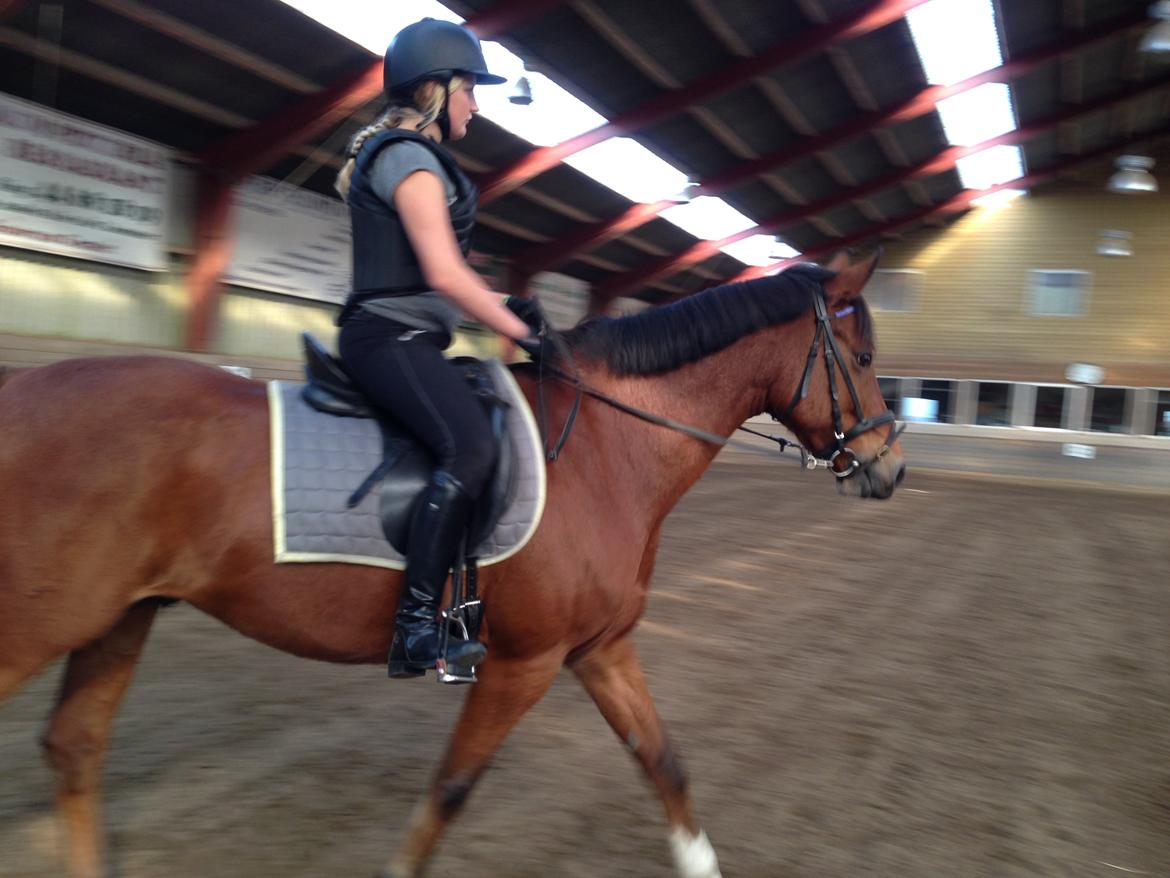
{"x": 527, "y": 310}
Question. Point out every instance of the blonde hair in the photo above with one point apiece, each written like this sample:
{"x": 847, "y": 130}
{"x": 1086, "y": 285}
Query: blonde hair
{"x": 424, "y": 108}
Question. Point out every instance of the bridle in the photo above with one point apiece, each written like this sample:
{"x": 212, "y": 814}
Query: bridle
{"x": 839, "y": 447}
{"x": 825, "y": 457}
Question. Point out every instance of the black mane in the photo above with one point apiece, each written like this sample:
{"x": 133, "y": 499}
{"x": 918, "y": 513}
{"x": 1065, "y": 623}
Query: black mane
{"x": 662, "y": 339}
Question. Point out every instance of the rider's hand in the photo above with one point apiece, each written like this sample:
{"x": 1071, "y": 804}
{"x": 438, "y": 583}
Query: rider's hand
{"x": 527, "y": 310}
{"x": 537, "y": 347}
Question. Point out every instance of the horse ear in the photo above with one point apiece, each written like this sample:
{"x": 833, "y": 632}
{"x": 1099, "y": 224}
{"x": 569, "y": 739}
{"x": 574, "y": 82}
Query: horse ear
{"x": 851, "y": 279}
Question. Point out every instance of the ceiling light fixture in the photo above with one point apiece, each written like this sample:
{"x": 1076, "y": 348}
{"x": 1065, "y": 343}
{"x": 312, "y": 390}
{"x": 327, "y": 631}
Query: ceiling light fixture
{"x": 1157, "y": 38}
{"x": 1114, "y": 242}
{"x": 1133, "y": 175}
{"x": 521, "y": 93}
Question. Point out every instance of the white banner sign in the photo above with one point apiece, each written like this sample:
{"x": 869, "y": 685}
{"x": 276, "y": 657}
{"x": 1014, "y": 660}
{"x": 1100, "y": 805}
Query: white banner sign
{"x": 289, "y": 240}
{"x": 72, "y": 187}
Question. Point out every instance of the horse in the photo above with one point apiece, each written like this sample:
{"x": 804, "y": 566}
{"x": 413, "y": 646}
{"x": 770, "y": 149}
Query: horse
{"x": 132, "y": 482}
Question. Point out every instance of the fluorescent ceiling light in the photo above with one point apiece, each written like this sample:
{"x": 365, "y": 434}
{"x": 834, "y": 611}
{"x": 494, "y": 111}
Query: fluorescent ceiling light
{"x": 978, "y": 115}
{"x": 629, "y": 169}
{"x": 759, "y": 250}
{"x": 991, "y": 166}
{"x": 707, "y": 217}
{"x": 955, "y": 39}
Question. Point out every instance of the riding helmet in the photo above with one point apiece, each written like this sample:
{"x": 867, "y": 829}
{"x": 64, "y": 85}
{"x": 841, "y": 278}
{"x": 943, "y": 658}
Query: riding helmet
{"x": 432, "y": 49}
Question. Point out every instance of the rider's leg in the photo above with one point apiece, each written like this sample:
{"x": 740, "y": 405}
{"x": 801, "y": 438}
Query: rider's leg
{"x": 405, "y": 374}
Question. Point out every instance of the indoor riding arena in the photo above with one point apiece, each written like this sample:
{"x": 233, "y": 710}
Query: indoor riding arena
{"x": 966, "y": 680}
{"x": 970, "y": 678}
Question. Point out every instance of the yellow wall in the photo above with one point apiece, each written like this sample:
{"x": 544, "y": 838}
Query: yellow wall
{"x": 52, "y": 307}
{"x": 970, "y": 319}
{"x": 45, "y": 295}
{"x": 252, "y": 323}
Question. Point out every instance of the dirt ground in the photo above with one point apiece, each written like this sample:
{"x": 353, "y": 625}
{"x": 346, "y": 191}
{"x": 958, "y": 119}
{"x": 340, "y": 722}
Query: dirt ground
{"x": 972, "y": 679}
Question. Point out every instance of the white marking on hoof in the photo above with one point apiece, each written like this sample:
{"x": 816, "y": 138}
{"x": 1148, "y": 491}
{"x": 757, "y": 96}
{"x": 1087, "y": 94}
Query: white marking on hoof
{"x": 693, "y": 855}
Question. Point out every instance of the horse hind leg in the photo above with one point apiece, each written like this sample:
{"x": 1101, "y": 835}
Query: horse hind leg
{"x": 507, "y": 688}
{"x": 612, "y": 675}
{"x": 95, "y": 680}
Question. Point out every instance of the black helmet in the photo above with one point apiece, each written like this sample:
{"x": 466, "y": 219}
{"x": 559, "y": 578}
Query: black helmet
{"x": 432, "y": 49}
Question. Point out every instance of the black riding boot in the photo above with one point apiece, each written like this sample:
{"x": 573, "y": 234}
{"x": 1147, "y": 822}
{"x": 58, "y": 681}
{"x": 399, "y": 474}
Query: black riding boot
{"x": 439, "y": 520}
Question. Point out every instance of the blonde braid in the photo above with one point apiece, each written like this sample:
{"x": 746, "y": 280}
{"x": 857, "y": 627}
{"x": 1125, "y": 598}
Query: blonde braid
{"x": 425, "y": 109}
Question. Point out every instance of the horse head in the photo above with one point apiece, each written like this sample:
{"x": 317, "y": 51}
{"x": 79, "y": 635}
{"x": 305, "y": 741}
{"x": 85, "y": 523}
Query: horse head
{"x": 837, "y": 410}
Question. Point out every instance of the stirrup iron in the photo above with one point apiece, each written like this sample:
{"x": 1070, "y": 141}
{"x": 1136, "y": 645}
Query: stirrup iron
{"x": 455, "y": 621}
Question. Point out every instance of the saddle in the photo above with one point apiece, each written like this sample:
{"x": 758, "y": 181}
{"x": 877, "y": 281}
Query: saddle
{"x": 407, "y": 465}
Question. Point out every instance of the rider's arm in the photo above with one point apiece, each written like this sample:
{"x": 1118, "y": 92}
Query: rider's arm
{"x": 420, "y": 202}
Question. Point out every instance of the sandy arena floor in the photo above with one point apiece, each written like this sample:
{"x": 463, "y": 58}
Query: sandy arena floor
{"x": 970, "y": 680}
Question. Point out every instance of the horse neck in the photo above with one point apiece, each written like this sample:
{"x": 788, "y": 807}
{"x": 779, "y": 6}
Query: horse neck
{"x": 716, "y": 394}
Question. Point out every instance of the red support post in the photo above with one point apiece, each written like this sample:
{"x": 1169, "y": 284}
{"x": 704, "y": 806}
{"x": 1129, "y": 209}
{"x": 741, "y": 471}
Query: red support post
{"x": 213, "y": 200}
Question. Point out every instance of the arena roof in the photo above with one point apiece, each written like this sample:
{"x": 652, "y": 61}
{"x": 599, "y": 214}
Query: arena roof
{"x": 814, "y": 118}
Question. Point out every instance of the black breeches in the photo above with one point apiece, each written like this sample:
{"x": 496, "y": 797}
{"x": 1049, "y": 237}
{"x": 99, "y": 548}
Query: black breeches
{"x": 404, "y": 373}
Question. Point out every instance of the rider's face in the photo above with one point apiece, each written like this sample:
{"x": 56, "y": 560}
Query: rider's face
{"x": 461, "y": 106}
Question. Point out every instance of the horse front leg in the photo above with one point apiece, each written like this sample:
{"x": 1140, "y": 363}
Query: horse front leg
{"x": 507, "y": 688}
{"x": 612, "y": 675}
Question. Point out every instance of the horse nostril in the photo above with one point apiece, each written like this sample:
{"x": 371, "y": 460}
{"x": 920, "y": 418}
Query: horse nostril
{"x": 901, "y": 475}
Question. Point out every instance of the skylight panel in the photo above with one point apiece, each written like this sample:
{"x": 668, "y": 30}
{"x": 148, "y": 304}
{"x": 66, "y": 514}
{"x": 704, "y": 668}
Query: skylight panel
{"x": 759, "y": 250}
{"x": 553, "y": 117}
{"x": 371, "y": 25}
{"x": 629, "y": 169}
{"x": 1000, "y": 198}
{"x": 955, "y": 39}
{"x": 978, "y": 115}
{"x": 991, "y": 166}
{"x": 708, "y": 217}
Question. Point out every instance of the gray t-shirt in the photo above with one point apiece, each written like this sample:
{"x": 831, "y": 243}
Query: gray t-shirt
{"x": 427, "y": 310}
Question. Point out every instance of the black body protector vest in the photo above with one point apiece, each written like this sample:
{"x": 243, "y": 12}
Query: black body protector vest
{"x": 384, "y": 263}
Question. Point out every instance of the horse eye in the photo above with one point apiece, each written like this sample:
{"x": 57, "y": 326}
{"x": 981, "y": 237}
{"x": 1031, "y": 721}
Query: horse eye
{"x": 864, "y": 360}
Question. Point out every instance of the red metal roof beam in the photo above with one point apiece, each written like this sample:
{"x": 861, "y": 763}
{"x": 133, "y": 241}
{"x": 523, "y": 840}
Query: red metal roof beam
{"x": 562, "y": 249}
{"x": 259, "y": 147}
{"x": 943, "y": 161}
{"x": 957, "y": 204}
{"x": 872, "y": 17}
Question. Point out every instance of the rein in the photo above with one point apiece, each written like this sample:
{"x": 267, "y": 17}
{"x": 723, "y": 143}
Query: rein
{"x": 809, "y": 460}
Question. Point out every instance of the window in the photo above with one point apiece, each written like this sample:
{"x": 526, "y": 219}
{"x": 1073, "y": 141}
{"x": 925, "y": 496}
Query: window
{"x": 943, "y": 393}
{"x": 1162, "y": 414}
{"x": 1109, "y": 410}
{"x": 1059, "y": 293}
{"x": 1049, "y": 407}
{"x": 893, "y": 289}
{"x": 993, "y": 409}
{"x": 890, "y": 393}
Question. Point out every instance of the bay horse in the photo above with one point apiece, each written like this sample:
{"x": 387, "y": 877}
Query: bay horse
{"x": 132, "y": 481}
